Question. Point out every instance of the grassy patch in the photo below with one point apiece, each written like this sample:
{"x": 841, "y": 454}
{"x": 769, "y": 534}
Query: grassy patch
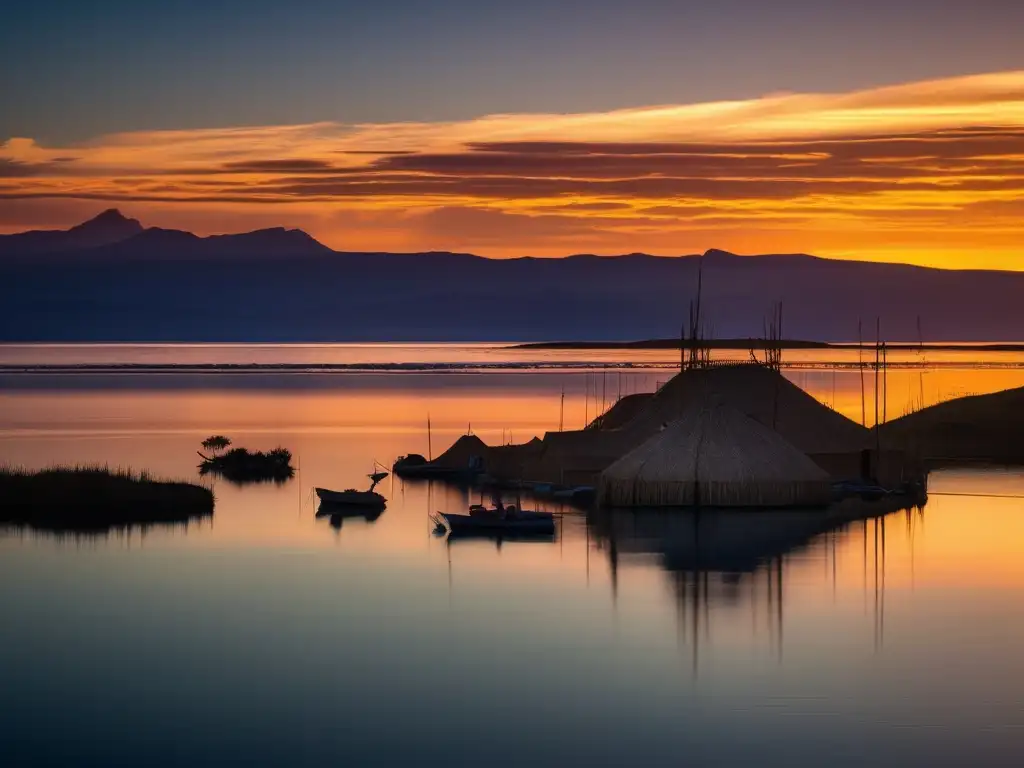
{"x": 242, "y": 466}
{"x": 97, "y": 498}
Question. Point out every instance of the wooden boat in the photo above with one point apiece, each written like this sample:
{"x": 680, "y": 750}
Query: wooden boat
{"x": 481, "y": 520}
{"x": 351, "y": 498}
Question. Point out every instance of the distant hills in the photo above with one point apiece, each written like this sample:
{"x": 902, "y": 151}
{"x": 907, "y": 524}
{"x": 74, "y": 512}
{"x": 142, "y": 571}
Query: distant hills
{"x": 107, "y": 228}
{"x": 111, "y": 279}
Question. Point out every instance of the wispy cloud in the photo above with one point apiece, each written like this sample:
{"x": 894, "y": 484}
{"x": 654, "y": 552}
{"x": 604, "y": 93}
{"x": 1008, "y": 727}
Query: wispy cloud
{"x": 926, "y": 172}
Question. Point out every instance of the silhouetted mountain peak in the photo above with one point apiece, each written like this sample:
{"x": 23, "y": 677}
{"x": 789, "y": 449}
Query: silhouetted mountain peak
{"x": 272, "y": 241}
{"x": 107, "y": 228}
{"x": 718, "y": 253}
{"x": 110, "y": 220}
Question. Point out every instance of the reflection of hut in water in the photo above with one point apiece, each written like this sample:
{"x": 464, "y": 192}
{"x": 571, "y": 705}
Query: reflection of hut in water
{"x": 733, "y": 556}
{"x": 844, "y": 449}
{"x": 715, "y": 456}
{"x": 730, "y": 540}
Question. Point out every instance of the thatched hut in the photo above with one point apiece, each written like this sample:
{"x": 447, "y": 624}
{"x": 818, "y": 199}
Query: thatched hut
{"x": 578, "y": 457}
{"x": 766, "y": 396}
{"x": 840, "y": 446}
{"x": 465, "y": 453}
{"x": 514, "y": 462}
{"x": 715, "y": 456}
{"x": 622, "y": 412}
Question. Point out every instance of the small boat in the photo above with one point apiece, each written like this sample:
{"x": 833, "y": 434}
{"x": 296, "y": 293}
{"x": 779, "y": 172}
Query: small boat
{"x": 481, "y": 520}
{"x": 351, "y": 498}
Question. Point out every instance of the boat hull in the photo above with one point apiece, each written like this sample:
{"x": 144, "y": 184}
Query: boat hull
{"x": 534, "y": 524}
{"x": 354, "y": 499}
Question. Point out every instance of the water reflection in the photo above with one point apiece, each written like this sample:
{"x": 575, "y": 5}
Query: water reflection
{"x": 125, "y": 532}
{"x": 629, "y": 640}
{"x": 719, "y": 561}
{"x": 336, "y": 515}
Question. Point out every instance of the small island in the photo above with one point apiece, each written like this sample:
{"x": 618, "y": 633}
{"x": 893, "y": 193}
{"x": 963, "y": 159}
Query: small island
{"x": 242, "y": 466}
{"x": 83, "y": 499}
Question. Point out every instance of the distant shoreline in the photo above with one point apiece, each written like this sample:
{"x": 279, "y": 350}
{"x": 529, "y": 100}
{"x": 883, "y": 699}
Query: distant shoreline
{"x": 758, "y": 344}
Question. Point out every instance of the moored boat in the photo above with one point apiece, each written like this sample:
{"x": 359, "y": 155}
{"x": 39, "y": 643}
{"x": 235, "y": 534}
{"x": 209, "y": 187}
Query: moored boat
{"x": 490, "y": 521}
{"x": 351, "y": 498}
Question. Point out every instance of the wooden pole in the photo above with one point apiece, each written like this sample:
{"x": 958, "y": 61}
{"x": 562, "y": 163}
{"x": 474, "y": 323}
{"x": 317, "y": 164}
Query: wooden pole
{"x": 430, "y": 449}
{"x": 561, "y": 411}
{"x": 878, "y": 349}
{"x": 586, "y": 399}
{"x": 860, "y": 367}
{"x": 885, "y": 381}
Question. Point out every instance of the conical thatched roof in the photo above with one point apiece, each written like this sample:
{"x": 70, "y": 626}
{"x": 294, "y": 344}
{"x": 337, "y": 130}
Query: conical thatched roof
{"x": 714, "y": 455}
{"x": 514, "y": 462}
{"x": 460, "y": 453}
{"x": 624, "y": 411}
{"x": 763, "y": 394}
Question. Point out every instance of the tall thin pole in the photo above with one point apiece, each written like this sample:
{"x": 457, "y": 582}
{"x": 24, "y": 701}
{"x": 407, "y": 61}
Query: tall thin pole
{"x": 860, "y": 367}
{"x": 878, "y": 349}
{"x": 885, "y": 381}
{"x": 561, "y": 411}
{"x": 430, "y": 449}
{"x": 920, "y": 373}
{"x": 586, "y": 399}
{"x": 682, "y": 346}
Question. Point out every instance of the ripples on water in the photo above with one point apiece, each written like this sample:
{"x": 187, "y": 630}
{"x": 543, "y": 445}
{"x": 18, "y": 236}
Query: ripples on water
{"x": 269, "y": 636}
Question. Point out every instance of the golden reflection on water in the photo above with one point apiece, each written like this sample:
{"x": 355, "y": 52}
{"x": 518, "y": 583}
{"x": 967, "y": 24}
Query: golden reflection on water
{"x": 911, "y": 620}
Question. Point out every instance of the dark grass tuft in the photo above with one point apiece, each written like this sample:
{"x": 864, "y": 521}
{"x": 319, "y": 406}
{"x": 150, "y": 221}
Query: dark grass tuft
{"x": 96, "y": 499}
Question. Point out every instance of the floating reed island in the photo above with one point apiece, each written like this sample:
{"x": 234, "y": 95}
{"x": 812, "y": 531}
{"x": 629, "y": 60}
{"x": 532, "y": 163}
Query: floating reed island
{"x": 730, "y": 435}
{"x": 242, "y": 466}
{"x": 93, "y": 499}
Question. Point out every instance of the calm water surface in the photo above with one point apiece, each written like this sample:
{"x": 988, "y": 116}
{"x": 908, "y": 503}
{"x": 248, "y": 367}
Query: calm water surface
{"x": 266, "y": 636}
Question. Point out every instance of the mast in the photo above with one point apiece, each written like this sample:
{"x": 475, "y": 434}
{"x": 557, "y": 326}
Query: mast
{"x": 860, "y": 367}
{"x": 878, "y": 350}
{"x": 561, "y": 411}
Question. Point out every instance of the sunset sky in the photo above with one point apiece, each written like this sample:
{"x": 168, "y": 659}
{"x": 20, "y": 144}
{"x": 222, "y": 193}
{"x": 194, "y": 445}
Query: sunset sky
{"x": 877, "y": 130}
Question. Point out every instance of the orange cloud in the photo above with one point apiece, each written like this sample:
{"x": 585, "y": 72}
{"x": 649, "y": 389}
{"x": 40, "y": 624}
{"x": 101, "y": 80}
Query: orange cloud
{"x": 929, "y": 173}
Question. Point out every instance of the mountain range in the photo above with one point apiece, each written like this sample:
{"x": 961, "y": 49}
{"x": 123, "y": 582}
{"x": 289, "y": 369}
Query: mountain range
{"x": 111, "y": 279}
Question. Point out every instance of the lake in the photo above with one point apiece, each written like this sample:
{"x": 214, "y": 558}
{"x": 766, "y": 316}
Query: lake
{"x": 267, "y": 636}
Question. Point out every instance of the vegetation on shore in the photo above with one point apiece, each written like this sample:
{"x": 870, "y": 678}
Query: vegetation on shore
{"x": 974, "y": 428}
{"x": 242, "y": 466}
{"x": 97, "y": 498}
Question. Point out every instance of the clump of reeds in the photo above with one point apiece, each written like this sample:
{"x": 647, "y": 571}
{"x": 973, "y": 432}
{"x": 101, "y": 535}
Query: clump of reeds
{"x": 241, "y": 466}
{"x": 90, "y": 498}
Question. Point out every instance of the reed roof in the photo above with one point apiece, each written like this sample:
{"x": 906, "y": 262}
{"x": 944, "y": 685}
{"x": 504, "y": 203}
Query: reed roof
{"x": 715, "y": 455}
{"x": 764, "y": 395}
{"x": 460, "y": 452}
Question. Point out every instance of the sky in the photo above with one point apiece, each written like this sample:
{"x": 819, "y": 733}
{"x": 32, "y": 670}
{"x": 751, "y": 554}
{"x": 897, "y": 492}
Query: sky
{"x": 877, "y": 130}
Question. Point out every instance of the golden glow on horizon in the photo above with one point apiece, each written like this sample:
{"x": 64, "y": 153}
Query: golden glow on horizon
{"x": 929, "y": 173}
